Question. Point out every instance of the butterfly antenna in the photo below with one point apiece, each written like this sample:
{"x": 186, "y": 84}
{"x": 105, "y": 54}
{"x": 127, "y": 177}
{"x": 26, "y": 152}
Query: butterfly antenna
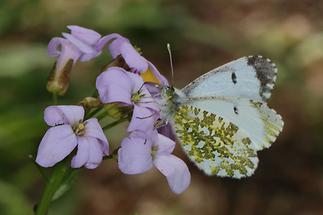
{"x": 171, "y": 63}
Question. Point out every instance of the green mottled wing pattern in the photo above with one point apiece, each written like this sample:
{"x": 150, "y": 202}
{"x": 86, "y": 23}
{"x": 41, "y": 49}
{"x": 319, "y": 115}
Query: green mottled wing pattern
{"x": 256, "y": 119}
{"x": 215, "y": 145}
{"x": 272, "y": 123}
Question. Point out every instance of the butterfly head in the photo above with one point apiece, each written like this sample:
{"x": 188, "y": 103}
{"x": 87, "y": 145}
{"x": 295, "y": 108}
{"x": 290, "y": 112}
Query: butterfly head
{"x": 168, "y": 92}
{"x": 168, "y": 100}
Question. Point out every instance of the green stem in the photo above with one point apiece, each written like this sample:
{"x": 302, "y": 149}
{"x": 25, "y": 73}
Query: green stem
{"x": 55, "y": 98}
{"x": 101, "y": 115}
{"x": 52, "y": 186}
{"x": 92, "y": 113}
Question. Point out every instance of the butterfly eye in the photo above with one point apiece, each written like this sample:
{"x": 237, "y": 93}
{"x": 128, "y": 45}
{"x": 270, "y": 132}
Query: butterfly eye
{"x": 170, "y": 88}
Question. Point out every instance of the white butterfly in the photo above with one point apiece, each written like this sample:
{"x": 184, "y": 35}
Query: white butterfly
{"x": 221, "y": 119}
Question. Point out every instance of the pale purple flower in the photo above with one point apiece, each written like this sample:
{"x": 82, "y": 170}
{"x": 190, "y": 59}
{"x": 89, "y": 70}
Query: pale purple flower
{"x": 139, "y": 154}
{"x": 168, "y": 131}
{"x": 117, "y": 85}
{"x": 121, "y": 46}
{"x": 67, "y": 132}
{"x": 78, "y": 45}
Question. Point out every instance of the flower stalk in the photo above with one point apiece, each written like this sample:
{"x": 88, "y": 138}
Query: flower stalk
{"x": 117, "y": 122}
{"x": 53, "y": 184}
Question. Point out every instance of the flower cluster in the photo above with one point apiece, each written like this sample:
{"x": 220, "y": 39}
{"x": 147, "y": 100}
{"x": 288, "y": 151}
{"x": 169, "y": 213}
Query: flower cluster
{"x": 123, "y": 82}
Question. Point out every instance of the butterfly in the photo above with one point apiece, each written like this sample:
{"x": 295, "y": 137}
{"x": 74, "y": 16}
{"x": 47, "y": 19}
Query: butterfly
{"x": 222, "y": 119}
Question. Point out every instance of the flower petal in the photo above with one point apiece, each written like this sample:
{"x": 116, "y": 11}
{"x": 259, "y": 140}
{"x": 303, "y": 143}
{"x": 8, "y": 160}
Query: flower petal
{"x": 133, "y": 58}
{"x": 90, "y": 56}
{"x": 115, "y": 41}
{"x": 89, "y": 153}
{"x": 143, "y": 119}
{"x": 114, "y": 85}
{"x": 95, "y": 153}
{"x": 147, "y": 100}
{"x": 87, "y": 35}
{"x": 165, "y": 145}
{"x": 93, "y": 129}
{"x": 138, "y": 85}
{"x": 63, "y": 114}
{"x": 115, "y": 46}
{"x": 137, "y": 82}
{"x": 154, "y": 89}
{"x": 82, "y": 155}
{"x": 65, "y": 51}
{"x": 175, "y": 170}
{"x": 167, "y": 131}
{"x": 82, "y": 46}
{"x": 134, "y": 156}
{"x": 54, "y": 46}
{"x": 163, "y": 81}
{"x": 57, "y": 143}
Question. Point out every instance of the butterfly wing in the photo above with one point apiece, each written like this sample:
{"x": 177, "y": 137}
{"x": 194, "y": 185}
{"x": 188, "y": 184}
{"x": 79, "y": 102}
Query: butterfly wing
{"x": 250, "y": 77}
{"x": 226, "y": 120}
{"x": 256, "y": 119}
{"x": 214, "y": 144}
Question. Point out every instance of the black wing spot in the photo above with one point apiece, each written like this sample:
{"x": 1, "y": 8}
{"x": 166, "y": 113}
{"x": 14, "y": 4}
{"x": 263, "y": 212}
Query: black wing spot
{"x": 235, "y": 109}
{"x": 234, "y": 77}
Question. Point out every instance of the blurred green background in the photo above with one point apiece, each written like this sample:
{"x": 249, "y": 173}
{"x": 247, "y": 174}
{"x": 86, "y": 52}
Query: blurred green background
{"x": 204, "y": 34}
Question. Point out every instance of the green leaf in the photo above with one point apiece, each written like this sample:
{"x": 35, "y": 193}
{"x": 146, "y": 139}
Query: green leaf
{"x": 67, "y": 184}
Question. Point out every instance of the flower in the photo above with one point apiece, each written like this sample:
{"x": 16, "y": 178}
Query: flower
{"x": 138, "y": 154}
{"x": 78, "y": 45}
{"x": 117, "y": 85}
{"x": 68, "y": 131}
{"x": 167, "y": 130}
{"x": 121, "y": 46}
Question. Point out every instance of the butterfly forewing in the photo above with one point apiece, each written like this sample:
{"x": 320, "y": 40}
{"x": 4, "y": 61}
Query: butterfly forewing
{"x": 214, "y": 144}
{"x": 250, "y": 77}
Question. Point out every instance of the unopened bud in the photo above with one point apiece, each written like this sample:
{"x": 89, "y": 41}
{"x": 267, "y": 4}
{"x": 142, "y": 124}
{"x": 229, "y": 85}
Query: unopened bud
{"x": 90, "y": 102}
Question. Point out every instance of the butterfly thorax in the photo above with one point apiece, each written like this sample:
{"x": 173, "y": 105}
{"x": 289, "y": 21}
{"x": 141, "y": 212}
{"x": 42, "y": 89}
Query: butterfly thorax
{"x": 169, "y": 101}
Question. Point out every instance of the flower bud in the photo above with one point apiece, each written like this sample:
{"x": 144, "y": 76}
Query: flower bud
{"x": 90, "y": 102}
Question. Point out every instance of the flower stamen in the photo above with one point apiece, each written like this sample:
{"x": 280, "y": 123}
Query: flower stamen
{"x": 79, "y": 129}
{"x": 154, "y": 151}
{"x": 136, "y": 97}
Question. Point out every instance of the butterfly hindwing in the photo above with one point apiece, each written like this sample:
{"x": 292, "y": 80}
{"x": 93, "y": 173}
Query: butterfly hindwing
{"x": 214, "y": 144}
{"x": 256, "y": 119}
{"x": 250, "y": 77}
